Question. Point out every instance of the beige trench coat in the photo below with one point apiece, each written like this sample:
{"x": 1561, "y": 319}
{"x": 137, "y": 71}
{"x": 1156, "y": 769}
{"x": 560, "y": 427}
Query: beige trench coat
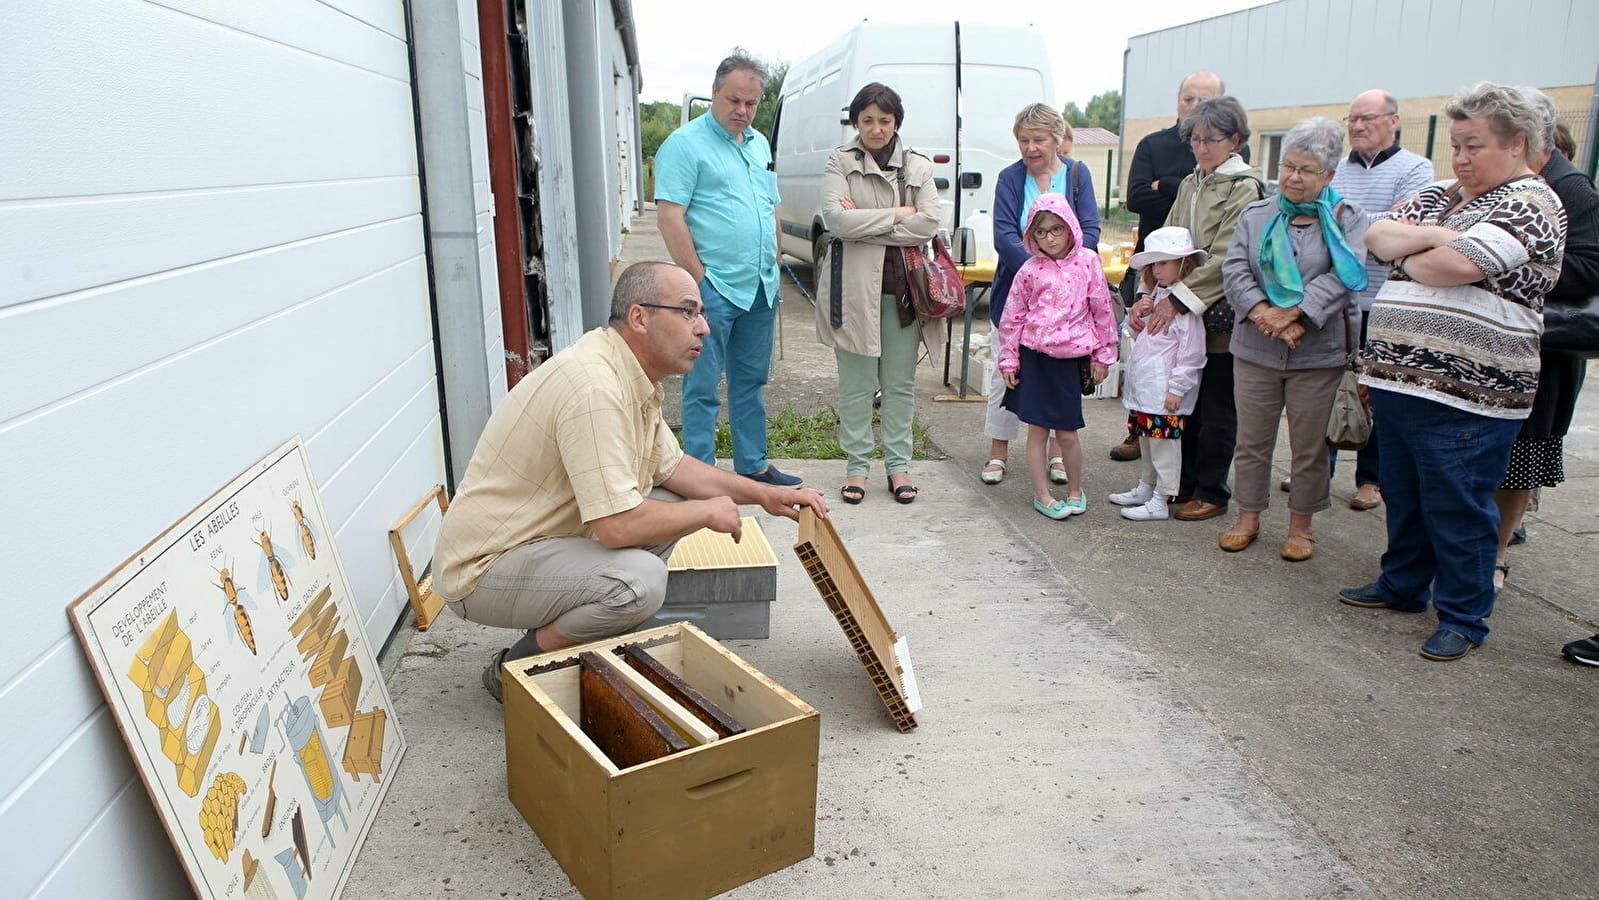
{"x": 863, "y": 233}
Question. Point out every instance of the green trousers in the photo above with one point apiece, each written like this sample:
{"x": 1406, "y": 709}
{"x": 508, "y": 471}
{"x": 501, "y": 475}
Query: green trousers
{"x": 895, "y": 374}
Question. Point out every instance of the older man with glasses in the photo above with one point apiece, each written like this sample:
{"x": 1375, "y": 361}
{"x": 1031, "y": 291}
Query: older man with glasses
{"x": 1378, "y": 174}
{"x": 566, "y": 515}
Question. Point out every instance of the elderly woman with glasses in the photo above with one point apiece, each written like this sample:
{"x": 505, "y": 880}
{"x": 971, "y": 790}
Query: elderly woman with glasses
{"x": 1295, "y": 265}
{"x": 1208, "y": 203}
{"x": 1452, "y": 353}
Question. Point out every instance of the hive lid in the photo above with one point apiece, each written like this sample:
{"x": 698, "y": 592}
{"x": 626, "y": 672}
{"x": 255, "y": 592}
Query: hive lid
{"x": 882, "y": 652}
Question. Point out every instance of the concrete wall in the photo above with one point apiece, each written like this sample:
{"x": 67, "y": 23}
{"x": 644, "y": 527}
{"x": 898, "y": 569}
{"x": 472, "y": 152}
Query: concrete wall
{"x": 1294, "y": 58}
{"x": 210, "y": 240}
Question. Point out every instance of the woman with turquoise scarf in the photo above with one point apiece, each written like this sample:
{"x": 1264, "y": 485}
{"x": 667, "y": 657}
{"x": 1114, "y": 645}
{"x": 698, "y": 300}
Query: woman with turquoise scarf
{"x": 1295, "y": 264}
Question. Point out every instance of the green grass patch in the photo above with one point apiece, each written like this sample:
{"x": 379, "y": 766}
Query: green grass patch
{"x": 795, "y": 435}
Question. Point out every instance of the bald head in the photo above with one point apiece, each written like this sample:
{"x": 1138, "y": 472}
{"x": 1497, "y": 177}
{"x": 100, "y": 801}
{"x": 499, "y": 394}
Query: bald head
{"x": 1197, "y": 88}
{"x": 1373, "y": 121}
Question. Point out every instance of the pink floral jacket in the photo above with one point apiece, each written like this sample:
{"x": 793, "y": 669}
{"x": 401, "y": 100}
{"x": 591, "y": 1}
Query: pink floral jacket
{"x": 1058, "y": 307}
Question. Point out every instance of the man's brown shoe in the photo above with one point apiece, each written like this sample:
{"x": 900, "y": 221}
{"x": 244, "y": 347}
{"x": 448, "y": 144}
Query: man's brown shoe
{"x": 1126, "y": 451}
{"x": 1367, "y": 496}
{"x": 1200, "y": 510}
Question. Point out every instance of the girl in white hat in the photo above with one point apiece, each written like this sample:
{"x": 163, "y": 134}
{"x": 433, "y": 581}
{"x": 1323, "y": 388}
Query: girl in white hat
{"x": 1162, "y": 379}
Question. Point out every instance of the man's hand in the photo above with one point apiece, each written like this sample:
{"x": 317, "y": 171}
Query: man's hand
{"x": 846, "y": 203}
{"x": 786, "y": 503}
{"x": 1160, "y": 319}
{"x": 721, "y": 514}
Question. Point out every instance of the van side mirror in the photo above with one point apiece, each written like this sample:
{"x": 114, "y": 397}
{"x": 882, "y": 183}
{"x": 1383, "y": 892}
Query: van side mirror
{"x": 965, "y": 249}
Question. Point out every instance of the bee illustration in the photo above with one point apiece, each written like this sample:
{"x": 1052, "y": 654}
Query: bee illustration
{"x": 307, "y": 536}
{"x": 237, "y": 600}
{"x": 275, "y": 565}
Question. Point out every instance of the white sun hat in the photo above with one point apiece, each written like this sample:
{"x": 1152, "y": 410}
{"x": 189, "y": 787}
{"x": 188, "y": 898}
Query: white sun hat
{"x": 1171, "y": 242}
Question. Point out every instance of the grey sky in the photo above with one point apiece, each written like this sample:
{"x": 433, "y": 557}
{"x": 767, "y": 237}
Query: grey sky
{"x": 680, "y": 43}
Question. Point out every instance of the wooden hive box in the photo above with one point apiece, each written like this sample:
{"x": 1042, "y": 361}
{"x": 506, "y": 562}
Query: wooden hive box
{"x": 724, "y": 589}
{"x": 363, "y": 753}
{"x": 338, "y": 698}
{"x": 681, "y": 827}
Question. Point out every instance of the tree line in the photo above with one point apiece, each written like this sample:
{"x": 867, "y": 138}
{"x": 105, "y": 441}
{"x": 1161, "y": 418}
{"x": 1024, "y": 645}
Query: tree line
{"x": 659, "y": 119}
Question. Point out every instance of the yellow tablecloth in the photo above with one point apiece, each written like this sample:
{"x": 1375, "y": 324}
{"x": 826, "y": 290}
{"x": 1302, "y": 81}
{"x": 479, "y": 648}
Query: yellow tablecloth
{"x": 978, "y": 273}
{"x": 983, "y": 272}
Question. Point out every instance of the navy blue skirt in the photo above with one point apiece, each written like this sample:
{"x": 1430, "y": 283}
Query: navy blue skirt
{"x": 1051, "y": 391}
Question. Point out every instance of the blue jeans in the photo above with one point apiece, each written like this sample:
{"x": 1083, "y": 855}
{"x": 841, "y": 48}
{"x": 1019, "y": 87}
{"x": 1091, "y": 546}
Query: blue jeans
{"x": 741, "y": 343}
{"x": 1439, "y": 474}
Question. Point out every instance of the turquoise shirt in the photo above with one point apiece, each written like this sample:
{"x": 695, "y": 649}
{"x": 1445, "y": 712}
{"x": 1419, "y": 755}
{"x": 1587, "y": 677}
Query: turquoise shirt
{"x": 730, "y": 202}
{"x": 1030, "y": 192}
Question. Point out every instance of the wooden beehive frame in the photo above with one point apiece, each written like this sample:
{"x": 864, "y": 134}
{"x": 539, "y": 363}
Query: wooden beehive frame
{"x": 844, "y": 591}
{"x": 425, "y": 604}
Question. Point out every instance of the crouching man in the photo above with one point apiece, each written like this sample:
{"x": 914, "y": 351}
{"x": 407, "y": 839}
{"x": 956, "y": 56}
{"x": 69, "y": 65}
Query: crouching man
{"x": 577, "y": 490}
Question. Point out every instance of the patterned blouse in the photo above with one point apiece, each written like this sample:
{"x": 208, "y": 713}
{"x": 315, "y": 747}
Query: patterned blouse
{"x": 1473, "y": 347}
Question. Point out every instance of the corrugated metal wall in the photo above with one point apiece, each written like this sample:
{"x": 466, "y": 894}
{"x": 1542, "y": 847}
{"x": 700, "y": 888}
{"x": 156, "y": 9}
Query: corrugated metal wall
{"x": 210, "y": 240}
{"x": 1311, "y": 52}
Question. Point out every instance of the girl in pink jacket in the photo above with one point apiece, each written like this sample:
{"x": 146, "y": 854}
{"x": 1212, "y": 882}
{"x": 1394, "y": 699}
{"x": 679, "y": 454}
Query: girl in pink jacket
{"x": 1162, "y": 378}
{"x": 1057, "y": 339}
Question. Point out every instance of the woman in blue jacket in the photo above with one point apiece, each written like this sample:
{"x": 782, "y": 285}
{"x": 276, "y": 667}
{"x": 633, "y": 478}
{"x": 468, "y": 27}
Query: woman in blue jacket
{"x": 1044, "y": 139}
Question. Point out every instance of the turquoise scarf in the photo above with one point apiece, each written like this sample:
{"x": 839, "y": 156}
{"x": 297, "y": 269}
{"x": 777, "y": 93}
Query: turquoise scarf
{"x": 1278, "y": 267}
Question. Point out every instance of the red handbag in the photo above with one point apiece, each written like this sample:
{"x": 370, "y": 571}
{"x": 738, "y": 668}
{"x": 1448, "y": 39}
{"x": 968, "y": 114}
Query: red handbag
{"x": 936, "y": 288}
{"x": 937, "y": 291}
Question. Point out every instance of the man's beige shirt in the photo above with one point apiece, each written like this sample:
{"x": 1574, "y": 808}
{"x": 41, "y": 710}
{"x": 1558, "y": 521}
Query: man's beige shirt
{"x": 579, "y": 439}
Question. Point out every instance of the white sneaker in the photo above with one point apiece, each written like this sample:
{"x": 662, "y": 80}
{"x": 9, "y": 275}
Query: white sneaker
{"x": 1138, "y": 496}
{"x": 1152, "y": 510}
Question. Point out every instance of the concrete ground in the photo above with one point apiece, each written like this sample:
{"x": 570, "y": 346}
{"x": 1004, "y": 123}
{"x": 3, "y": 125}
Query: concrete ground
{"x": 1112, "y": 709}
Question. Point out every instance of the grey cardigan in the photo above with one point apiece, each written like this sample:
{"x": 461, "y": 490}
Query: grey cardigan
{"x": 1327, "y": 302}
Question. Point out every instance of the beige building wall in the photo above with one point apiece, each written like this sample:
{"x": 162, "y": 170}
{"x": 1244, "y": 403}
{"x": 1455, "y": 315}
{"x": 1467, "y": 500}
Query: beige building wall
{"x": 1095, "y": 158}
{"x": 1268, "y": 124}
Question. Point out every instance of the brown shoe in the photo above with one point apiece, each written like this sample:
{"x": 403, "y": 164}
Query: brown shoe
{"x": 1367, "y": 496}
{"x": 1126, "y": 451}
{"x": 1200, "y": 510}
{"x": 1300, "y": 546}
{"x": 1236, "y": 538}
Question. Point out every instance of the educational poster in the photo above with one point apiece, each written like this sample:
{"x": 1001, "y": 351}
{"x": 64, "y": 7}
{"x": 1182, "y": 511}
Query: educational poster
{"x": 230, "y": 653}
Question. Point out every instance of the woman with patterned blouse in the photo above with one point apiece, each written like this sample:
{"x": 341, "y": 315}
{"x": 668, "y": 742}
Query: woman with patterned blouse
{"x": 1452, "y": 352}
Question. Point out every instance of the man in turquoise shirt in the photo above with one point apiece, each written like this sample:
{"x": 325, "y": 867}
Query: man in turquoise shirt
{"x": 718, "y": 215}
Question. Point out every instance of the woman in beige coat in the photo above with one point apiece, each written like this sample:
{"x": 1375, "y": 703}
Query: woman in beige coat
{"x": 877, "y": 197}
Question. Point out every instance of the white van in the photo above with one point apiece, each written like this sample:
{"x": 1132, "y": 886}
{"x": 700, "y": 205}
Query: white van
{"x": 986, "y": 72}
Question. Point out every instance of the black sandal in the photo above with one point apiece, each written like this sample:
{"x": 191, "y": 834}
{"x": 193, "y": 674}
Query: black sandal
{"x": 905, "y": 493}
{"x": 852, "y": 493}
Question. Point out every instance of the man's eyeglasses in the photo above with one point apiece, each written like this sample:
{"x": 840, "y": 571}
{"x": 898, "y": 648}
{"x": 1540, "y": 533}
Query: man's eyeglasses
{"x": 1291, "y": 169}
{"x": 689, "y": 313}
{"x": 1366, "y": 119}
{"x": 1196, "y": 139}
